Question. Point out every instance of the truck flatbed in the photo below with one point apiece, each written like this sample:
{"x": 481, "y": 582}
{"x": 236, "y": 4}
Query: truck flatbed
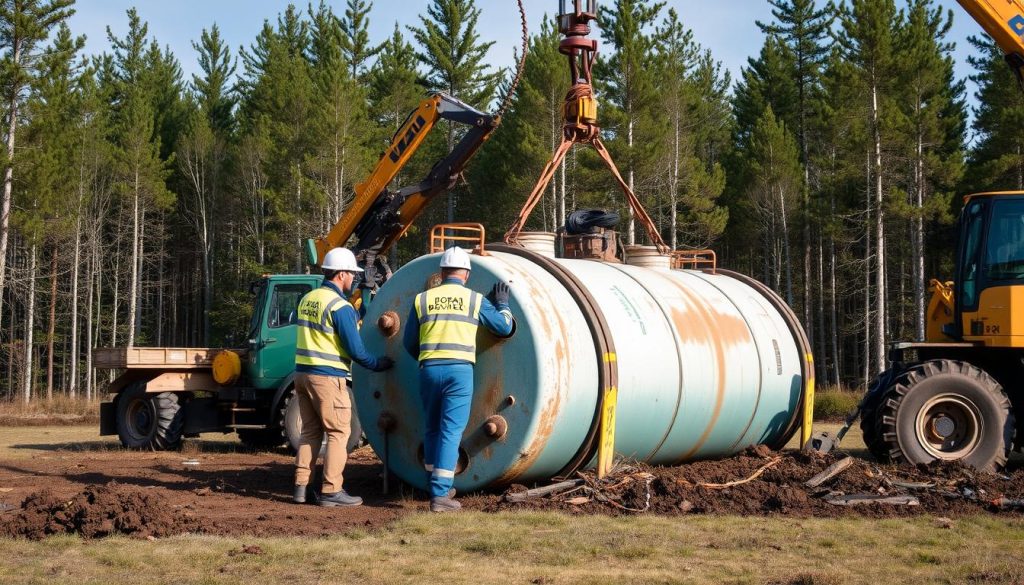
{"x": 178, "y": 358}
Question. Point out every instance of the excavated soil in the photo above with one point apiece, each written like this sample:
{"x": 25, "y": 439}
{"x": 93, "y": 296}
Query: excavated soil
{"x": 699, "y": 488}
{"x": 102, "y": 491}
{"x": 96, "y": 491}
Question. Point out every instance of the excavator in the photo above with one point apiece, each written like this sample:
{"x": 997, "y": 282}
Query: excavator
{"x": 957, "y": 395}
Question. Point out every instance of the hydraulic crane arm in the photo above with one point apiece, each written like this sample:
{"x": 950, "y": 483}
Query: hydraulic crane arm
{"x": 378, "y": 217}
{"x": 1003, "y": 20}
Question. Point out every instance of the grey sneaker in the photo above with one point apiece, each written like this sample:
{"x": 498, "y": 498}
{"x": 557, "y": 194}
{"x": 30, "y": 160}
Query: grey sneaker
{"x": 339, "y": 499}
{"x": 444, "y": 505}
{"x": 299, "y": 496}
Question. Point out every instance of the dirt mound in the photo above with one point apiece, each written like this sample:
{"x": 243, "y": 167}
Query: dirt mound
{"x": 98, "y": 511}
{"x": 760, "y": 482}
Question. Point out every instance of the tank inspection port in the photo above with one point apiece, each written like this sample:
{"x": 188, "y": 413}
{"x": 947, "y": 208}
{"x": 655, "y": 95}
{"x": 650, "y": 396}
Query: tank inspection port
{"x": 495, "y": 426}
{"x": 389, "y": 324}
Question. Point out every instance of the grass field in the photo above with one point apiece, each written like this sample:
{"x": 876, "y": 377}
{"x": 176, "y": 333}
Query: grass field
{"x": 550, "y": 548}
{"x": 530, "y": 548}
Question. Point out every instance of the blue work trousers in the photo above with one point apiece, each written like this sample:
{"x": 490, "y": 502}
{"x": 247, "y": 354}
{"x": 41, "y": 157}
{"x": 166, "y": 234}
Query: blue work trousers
{"x": 447, "y": 393}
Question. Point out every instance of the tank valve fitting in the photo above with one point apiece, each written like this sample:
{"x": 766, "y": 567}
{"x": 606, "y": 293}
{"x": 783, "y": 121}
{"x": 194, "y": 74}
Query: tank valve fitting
{"x": 386, "y": 422}
{"x": 389, "y": 324}
{"x": 495, "y": 426}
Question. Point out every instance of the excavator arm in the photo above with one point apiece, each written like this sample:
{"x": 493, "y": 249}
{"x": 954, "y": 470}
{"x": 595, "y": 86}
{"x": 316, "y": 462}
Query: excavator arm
{"x": 1003, "y": 20}
{"x": 378, "y": 217}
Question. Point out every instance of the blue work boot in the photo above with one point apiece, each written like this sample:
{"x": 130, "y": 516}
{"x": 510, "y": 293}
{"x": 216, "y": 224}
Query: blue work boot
{"x": 339, "y": 498}
{"x": 444, "y": 504}
{"x": 299, "y": 496}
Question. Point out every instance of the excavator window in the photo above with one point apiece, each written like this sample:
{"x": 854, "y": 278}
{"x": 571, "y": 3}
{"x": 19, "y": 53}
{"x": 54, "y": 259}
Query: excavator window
{"x": 1004, "y": 258}
{"x": 974, "y": 225}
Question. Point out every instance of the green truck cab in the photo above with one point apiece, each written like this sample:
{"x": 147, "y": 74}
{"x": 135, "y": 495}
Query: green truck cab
{"x": 163, "y": 395}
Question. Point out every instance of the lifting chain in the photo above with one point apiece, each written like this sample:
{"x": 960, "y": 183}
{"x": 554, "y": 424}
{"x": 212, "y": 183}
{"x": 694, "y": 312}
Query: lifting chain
{"x": 580, "y": 123}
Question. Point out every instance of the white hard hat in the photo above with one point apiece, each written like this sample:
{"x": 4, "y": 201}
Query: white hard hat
{"x": 340, "y": 259}
{"x": 455, "y": 257}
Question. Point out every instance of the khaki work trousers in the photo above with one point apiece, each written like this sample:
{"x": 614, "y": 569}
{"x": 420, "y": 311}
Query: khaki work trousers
{"x": 325, "y": 407}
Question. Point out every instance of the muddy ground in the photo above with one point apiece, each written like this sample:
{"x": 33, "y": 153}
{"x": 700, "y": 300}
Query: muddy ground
{"x": 105, "y": 491}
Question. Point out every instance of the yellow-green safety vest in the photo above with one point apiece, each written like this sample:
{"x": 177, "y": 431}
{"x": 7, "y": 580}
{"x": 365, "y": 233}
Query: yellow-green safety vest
{"x": 449, "y": 315}
{"x": 317, "y": 342}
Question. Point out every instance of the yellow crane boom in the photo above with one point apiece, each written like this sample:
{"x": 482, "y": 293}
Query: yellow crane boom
{"x": 1003, "y": 20}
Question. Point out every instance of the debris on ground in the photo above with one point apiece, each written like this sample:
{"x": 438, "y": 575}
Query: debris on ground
{"x": 762, "y": 482}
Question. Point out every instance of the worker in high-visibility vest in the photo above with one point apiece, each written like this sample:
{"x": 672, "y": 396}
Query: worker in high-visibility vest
{"x": 447, "y": 318}
{"x": 326, "y": 345}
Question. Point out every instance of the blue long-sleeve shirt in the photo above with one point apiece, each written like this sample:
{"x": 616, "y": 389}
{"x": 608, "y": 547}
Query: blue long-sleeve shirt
{"x": 346, "y": 328}
{"x": 496, "y": 318}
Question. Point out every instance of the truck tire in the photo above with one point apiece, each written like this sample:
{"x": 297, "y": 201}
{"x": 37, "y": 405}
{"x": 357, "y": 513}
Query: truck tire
{"x": 293, "y": 423}
{"x": 149, "y": 421}
{"x": 946, "y": 410}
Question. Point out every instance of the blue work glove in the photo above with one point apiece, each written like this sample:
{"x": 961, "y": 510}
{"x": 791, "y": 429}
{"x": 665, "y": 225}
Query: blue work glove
{"x": 384, "y": 363}
{"x": 500, "y": 294}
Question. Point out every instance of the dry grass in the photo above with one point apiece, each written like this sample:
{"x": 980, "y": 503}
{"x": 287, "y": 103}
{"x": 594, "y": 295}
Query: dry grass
{"x": 834, "y": 403}
{"x": 552, "y": 548}
{"x": 61, "y": 410}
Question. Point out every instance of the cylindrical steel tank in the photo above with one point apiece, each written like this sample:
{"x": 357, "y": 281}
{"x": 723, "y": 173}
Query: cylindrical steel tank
{"x": 706, "y": 364}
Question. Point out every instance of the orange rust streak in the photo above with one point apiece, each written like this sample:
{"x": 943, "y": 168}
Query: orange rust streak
{"x": 719, "y": 328}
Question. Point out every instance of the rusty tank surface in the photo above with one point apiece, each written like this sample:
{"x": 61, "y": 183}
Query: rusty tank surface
{"x": 705, "y": 363}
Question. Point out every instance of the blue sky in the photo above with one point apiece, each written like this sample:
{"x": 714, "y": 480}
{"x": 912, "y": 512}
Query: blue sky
{"x": 727, "y": 28}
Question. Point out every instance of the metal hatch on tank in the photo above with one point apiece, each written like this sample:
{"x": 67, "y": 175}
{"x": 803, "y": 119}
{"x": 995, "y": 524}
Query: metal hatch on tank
{"x": 707, "y": 364}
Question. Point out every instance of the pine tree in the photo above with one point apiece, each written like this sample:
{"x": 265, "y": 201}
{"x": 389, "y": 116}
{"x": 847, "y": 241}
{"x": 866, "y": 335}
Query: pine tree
{"x": 213, "y": 91}
{"x": 690, "y": 88}
{"x": 933, "y": 106}
{"x": 24, "y": 25}
{"x": 277, "y": 101}
{"x": 137, "y": 139}
{"x": 394, "y": 83}
{"x": 455, "y": 60}
{"x": 997, "y": 159}
{"x": 47, "y": 210}
{"x": 340, "y": 121}
{"x": 355, "y": 39}
{"x": 803, "y": 29}
{"x": 629, "y": 80}
{"x": 869, "y": 43}
{"x": 774, "y": 191}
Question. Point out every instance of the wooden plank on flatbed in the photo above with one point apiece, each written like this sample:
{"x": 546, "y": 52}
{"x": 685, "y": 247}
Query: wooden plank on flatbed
{"x": 179, "y": 358}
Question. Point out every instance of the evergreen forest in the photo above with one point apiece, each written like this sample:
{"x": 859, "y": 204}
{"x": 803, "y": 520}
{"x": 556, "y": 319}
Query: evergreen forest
{"x": 139, "y": 204}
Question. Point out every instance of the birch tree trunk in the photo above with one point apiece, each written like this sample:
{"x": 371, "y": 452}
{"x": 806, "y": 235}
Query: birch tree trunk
{"x": 918, "y": 239}
{"x": 26, "y": 383}
{"x": 5, "y": 203}
{"x": 51, "y": 326}
{"x": 88, "y": 330}
{"x": 133, "y": 281}
{"x": 77, "y": 259}
{"x": 881, "y": 311}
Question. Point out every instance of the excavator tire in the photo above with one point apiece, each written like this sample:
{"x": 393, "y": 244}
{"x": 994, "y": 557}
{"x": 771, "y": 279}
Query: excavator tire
{"x": 946, "y": 410}
{"x": 149, "y": 421}
{"x": 869, "y": 414}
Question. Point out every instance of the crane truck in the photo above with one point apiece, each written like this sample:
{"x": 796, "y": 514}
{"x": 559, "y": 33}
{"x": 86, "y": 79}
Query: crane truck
{"x": 164, "y": 394}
